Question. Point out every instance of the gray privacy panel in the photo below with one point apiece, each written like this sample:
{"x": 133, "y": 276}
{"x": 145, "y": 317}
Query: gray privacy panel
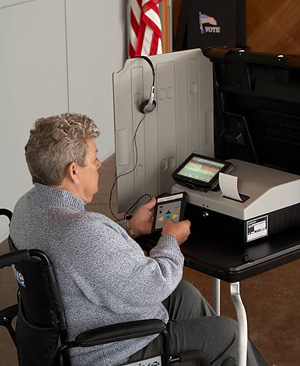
{"x": 181, "y": 123}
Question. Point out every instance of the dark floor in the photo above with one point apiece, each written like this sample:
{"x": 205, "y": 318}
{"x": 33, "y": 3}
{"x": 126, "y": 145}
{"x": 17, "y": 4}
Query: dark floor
{"x": 271, "y": 299}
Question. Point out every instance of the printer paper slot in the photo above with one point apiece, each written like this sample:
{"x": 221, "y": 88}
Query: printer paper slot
{"x": 243, "y": 197}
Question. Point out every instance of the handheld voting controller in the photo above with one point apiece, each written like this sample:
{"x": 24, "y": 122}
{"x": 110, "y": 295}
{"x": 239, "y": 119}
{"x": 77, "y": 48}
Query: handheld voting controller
{"x": 169, "y": 207}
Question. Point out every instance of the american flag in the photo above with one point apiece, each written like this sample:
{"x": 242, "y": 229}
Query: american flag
{"x": 145, "y": 28}
{"x": 207, "y": 19}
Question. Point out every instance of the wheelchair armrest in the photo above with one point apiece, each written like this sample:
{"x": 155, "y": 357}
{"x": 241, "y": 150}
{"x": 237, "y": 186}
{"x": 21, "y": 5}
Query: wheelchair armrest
{"x": 112, "y": 333}
{"x": 119, "y": 332}
{"x": 13, "y": 258}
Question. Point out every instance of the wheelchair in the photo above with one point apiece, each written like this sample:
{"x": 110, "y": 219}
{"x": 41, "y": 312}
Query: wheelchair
{"x": 40, "y": 334}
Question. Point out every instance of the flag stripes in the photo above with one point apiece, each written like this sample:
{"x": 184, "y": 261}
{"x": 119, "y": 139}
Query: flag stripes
{"x": 145, "y": 28}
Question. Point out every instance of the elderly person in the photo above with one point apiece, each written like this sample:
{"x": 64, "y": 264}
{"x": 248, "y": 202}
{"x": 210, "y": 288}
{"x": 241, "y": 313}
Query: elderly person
{"x": 103, "y": 275}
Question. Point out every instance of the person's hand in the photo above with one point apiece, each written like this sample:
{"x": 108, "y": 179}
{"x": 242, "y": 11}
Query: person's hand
{"x": 141, "y": 222}
{"x": 180, "y": 230}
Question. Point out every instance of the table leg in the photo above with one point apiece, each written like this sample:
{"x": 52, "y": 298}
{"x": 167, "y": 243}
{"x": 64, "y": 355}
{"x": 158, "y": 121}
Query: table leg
{"x": 242, "y": 320}
{"x": 217, "y": 296}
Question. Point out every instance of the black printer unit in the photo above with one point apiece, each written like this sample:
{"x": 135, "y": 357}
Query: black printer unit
{"x": 257, "y": 107}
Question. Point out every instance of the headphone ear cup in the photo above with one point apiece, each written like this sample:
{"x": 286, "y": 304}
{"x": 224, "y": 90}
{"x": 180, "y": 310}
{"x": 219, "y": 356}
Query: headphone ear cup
{"x": 147, "y": 106}
{"x": 143, "y": 105}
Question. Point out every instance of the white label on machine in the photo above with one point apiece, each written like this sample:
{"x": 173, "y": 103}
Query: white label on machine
{"x": 257, "y": 228}
{"x": 155, "y": 361}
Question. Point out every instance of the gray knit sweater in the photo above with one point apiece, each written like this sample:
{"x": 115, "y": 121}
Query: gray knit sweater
{"x": 103, "y": 274}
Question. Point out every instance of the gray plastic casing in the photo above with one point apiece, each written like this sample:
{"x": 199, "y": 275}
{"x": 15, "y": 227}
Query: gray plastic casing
{"x": 181, "y": 123}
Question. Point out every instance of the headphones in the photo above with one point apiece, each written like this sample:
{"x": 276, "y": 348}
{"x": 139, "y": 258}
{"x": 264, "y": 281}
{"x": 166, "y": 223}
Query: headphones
{"x": 149, "y": 105}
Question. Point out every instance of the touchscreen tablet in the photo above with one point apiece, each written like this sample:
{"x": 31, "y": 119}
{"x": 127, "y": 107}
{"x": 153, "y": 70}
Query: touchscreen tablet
{"x": 200, "y": 172}
{"x": 169, "y": 207}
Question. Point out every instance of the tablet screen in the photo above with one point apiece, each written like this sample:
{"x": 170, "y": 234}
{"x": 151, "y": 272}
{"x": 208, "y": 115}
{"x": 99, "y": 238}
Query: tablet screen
{"x": 201, "y": 169}
{"x": 200, "y": 172}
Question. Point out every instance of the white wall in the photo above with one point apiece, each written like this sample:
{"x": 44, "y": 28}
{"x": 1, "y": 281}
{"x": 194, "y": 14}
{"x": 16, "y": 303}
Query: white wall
{"x": 56, "y": 56}
{"x": 96, "y": 49}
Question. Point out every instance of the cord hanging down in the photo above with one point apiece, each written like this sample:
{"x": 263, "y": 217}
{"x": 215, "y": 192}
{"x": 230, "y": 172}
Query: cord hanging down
{"x": 130, "y": 171}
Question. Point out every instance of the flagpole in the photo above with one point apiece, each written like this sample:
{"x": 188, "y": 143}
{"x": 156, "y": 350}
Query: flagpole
{"x": 170, "y": 25}
{"x": 167, "y": 24}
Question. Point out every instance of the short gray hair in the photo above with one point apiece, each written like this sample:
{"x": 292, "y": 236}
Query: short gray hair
{"x": 54, "y": 143}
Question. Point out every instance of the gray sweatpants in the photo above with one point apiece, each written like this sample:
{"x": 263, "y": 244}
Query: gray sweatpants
{"x": 193, "y": 324}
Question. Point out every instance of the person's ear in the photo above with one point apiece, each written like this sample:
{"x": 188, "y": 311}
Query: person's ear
{"x": 71, "y": 172}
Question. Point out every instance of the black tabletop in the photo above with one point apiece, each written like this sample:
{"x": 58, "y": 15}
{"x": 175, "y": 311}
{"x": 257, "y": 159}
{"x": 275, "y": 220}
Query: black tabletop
{"x": 221, "y": 255}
